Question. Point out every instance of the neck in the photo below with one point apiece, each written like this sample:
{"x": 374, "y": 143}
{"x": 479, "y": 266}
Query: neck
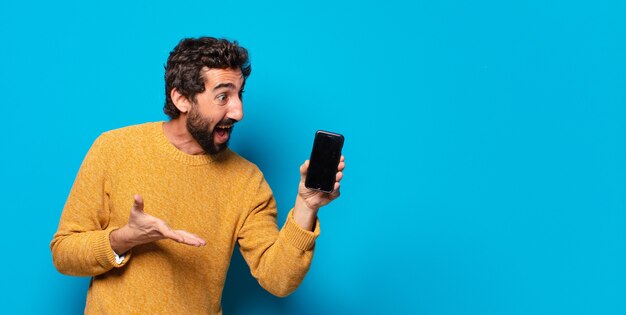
{"x": 176, "y": 132}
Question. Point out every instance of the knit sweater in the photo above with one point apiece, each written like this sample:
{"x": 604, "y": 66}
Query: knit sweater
{"x": 223, "y": 198}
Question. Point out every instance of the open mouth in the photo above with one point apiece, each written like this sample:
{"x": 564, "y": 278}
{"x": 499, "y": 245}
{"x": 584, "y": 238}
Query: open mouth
{"x": 223, "y": 130}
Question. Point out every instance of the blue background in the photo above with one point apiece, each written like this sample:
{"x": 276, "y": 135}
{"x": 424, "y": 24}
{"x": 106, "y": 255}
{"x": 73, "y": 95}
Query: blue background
{"x": 485, "y": 143}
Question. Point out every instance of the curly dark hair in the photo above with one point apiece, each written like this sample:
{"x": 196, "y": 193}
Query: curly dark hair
{"x": 190, "y": 56}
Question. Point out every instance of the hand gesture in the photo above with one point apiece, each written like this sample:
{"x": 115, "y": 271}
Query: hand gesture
{"x": 143, "y": 228}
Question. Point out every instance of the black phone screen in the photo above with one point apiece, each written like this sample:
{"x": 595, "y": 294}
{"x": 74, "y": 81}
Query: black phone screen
{"x": 324, "y": 161}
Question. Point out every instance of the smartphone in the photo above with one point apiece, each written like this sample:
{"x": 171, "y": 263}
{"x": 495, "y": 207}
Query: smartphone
{"x": 324, "y": 161}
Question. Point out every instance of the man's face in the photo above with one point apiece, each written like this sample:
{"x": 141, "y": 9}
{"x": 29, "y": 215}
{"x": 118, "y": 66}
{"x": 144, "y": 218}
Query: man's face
{"x": 214, "y": 112}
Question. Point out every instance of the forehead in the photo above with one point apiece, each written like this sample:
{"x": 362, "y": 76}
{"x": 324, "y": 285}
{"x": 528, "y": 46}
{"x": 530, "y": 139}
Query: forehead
{"x": 215, "y": 77}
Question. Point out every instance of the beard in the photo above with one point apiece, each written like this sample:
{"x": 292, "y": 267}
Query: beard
{"x": 199, "y": 126}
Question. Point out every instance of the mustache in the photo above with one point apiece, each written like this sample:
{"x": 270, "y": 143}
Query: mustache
{"x": 226, "y": 122}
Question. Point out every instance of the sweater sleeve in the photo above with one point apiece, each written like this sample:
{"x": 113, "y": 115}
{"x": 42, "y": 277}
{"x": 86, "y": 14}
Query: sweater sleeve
{"x": 279, "y": 260}
{"x": 81, "y": 244}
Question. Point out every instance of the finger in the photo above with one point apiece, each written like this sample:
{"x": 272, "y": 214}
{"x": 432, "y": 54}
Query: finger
{"x": 303, "y": 169}
{"x": 138, "y": 204}
{"x": 342, "y": 158}
{"x": 190, "y": 238}
{"x": 335, "y": 192}
{"x": 167, "y": 232}
{"x": 341, "y": 166}
{"x": 174, "y": 236}
{"x": 339, "y": 176}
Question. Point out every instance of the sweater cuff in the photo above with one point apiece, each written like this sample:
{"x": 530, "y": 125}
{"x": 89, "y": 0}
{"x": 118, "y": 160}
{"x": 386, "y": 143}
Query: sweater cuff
{"x": 104, "y": 253}
{"x": 297, "y": 236}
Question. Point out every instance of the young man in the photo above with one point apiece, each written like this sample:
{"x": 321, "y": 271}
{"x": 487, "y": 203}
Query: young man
{"x": 156, "y": 209}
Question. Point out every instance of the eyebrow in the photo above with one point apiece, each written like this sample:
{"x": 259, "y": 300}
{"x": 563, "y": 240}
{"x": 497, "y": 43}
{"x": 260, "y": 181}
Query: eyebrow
{"x": 224, "y": 85}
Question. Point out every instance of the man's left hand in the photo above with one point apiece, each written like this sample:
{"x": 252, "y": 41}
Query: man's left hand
{"x": 309, "y": 201}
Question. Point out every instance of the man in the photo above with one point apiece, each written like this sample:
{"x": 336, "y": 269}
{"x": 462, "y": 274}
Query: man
{"x": 156, "y": 209}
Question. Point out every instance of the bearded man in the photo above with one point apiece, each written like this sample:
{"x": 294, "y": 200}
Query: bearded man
{"x": 156, "y": 209}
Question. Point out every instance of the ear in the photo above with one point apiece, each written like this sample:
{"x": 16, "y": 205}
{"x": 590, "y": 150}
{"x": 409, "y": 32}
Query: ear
{"x": 180, "y": 101}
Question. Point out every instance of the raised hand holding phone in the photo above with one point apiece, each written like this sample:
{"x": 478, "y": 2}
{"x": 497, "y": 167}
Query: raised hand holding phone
{"x": 319, "y": 178}
{"x": 324, "y": 162}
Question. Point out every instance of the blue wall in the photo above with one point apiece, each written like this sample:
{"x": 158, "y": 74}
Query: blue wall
{"x": 485, "y": 143}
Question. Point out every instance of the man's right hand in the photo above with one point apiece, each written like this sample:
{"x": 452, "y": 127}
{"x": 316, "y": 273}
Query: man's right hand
{"x": 143, "y": 228}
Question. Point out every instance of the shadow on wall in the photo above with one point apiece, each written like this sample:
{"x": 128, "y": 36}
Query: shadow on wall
{"x": 243, "y": 294}
{"x": 70, "y": 300}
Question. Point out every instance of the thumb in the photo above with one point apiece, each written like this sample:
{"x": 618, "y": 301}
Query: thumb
{"x": 138, "y": 204}
{"x": 303, "y": 170}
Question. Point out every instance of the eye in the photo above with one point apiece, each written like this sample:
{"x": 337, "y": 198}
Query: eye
{"x": 221, "y": 97}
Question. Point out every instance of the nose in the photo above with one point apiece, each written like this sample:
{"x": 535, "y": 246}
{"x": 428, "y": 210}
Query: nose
{"x": 235, "y": 111}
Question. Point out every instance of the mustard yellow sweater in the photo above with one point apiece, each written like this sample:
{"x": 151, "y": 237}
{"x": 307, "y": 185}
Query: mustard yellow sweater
{"x": 224, "y": 199}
